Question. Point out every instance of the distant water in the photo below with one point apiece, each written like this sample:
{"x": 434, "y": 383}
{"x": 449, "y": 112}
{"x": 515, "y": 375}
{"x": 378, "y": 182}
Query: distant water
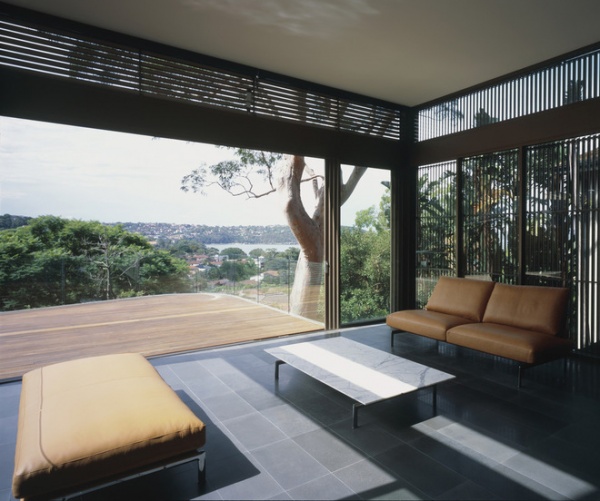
{"x": 248, "y": 247}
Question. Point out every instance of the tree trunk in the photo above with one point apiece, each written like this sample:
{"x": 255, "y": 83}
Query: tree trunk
{"x": 307, "y": 296}
{"x": 308, "y": 281}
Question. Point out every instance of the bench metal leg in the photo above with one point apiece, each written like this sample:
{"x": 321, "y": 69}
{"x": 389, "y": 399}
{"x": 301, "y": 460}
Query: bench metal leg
{"x": 199, "y": 456}
{"x": 277, "y": 364}
{"x": 355, "y": 408}
{"x": 202, "y": 467}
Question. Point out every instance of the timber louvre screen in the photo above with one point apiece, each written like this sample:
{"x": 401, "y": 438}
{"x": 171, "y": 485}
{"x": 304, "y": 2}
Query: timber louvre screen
{"x": 490, "y": 216}
{"x": 561, "y": 225}
{"x": 563, "y": 229}
{"x": 565, "y": 82}
{"x": 70, "y": 55}
{"x": 436, "y": 223}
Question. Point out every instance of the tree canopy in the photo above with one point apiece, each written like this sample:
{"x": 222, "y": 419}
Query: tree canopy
{"x": 365, "y": 256}
{"x": 54, "y": 261}
{"x": 256, "y": 174}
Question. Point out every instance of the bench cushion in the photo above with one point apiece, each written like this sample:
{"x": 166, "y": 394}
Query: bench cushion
{"x": 540, "y": 309}
{"x": 424, "y": 322}
{"x": 91, "y": 419}
{"x": 461, "y": 297}
{"x": 522, "y": 345}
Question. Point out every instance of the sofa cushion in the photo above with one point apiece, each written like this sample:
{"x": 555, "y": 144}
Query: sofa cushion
{"x": 90, "y": 419}
{"x": 461, "y": 297}
{"x": 424, "y": 322}
{"x": 540, "y": 309}
{"x": 522, "y": 345}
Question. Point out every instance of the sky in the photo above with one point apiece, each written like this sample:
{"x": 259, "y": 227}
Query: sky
{"x": 89, "y": 174}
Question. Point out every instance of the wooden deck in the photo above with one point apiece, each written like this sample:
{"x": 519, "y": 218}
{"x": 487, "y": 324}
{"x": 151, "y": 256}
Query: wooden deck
{"x": 152, "y": 325}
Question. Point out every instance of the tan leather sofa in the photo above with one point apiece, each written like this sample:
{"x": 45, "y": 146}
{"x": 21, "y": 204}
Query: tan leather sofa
{"x": 518, "y": 322}
{"x": 91, "y": 421}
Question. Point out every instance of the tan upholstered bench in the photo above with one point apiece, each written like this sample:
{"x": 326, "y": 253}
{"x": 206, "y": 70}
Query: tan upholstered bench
{"x": 91, "y": 421}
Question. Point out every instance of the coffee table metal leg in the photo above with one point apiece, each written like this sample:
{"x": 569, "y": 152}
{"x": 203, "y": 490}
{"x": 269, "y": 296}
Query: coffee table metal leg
{"x": 277, "y": 364}
{"x": 355, "y": 408}
{"x": 435, "y": 399}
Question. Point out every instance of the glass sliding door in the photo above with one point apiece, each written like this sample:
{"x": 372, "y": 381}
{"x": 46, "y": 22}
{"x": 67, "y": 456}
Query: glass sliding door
{"x": 302, "y": 192}
{"x": 365, "y": 244}
{"x": 118, "y": 228}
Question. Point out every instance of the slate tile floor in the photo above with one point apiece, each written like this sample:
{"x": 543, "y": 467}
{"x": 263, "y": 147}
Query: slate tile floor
{"x": 294, "y": 439}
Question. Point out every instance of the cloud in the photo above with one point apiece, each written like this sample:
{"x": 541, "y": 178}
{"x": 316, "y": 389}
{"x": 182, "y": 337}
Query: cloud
{"x": 107, "y": 176}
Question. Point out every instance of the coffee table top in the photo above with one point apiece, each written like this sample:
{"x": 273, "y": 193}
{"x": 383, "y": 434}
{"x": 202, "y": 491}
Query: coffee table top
{"x": 363, "y": 373}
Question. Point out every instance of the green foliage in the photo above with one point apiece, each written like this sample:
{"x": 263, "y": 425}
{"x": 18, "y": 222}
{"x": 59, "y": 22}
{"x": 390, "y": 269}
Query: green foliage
{"x": 8, "y": 221}
{"x": 256, "y": 253}
{"x": 235, "y": 176}
{"x": 291, "y": 253}
{"x": 435, "y": 216}
{"x": 233, "y": 253}
{"x": 365, "y": 257}
{"x": 233, "y": 271}
{"x": 184, "y": 248}
{"x": 55, "y": 261}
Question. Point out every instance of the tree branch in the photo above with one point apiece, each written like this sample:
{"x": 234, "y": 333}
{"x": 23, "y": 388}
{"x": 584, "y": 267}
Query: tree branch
{"x": 349, "y": 186}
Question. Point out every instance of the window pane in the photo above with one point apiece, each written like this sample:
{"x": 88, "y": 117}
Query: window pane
{"x": 365, "y": 246}
{"x": 490, "y": 217}
{"x": 93, "y": 218}
{"x": 436, "y": 214}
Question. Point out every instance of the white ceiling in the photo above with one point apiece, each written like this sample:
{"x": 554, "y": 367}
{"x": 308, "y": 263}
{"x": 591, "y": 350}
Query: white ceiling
{"x": 403, "y": 51}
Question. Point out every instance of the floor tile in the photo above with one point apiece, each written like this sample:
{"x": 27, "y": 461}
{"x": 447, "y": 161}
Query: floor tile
{"x": 293, "y": 439}
{"x": 228, "y": 405}
{"x": 329, "y": 449}
{"x": 371, "y": 480}
{"x": 327, "y": 487}
{"x": 420, "y": 470}
{"x": 554, "y": 482}
{"x": 254, "y": 430}
{"x": 289, "y": 464}
{"x": 290, "y": 420}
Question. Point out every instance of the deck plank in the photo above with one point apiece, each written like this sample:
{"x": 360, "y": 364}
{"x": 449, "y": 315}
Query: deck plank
{"x": 151, "y": 325}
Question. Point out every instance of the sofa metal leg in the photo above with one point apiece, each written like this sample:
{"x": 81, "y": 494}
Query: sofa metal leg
{"x": 520, "y": 377}
{"x": 393, "y": 333}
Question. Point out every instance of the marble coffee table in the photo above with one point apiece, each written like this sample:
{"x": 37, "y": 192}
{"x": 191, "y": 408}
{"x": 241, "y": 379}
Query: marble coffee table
{"x": 365, "y": 374}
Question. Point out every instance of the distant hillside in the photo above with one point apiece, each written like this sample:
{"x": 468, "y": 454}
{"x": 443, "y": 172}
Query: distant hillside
{"x": 276, "y": 234}
{"x": 8, "y": 221}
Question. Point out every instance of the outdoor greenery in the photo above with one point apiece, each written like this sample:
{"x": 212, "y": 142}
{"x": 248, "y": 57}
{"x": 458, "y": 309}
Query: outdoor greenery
{"x": 256, "y": 174}
{"x": 365, "y": 257}
{"x": 50, "y": 261}
{"x": 54, "y": 261}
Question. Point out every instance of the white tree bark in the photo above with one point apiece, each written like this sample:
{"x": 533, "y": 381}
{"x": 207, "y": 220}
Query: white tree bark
{"x": 307, "y": 294}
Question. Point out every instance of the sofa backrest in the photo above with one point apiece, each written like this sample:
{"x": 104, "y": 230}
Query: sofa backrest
{"x": 529, "y": 307}
{"x": 462, "y": 297}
